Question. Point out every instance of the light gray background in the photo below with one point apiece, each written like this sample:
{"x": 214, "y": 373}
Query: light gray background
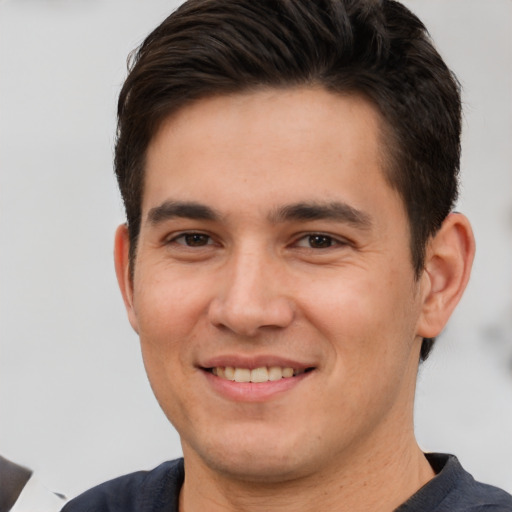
{"x": 74, "y": 401}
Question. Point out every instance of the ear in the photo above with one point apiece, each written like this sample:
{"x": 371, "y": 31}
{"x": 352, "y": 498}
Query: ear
{"x": 448, "y": 262}
{"x": 124, "y": 278}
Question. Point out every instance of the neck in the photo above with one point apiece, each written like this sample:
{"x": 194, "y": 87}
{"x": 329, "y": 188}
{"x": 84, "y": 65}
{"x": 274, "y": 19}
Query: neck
{"x": 377, "y": 480}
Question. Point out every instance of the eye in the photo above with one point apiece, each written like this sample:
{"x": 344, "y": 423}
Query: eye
{"x": 193, "y": 239}
{"x": 318, "y": 241}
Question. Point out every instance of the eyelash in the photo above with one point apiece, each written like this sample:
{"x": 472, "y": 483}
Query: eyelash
{"x": 190, "y": 234}
{"x": 311, "y": 239}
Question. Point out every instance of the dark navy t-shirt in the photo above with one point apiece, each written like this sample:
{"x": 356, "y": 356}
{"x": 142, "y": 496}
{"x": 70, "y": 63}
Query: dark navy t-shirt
{"x": 451, "y": 490}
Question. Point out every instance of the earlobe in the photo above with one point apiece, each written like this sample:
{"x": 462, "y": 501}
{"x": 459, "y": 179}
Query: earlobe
{"x": 448, "y": 262}
{"x": 122, "y": 265}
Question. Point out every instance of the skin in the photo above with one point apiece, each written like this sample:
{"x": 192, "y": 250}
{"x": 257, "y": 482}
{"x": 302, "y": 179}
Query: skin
{"x": 229, "y": 271}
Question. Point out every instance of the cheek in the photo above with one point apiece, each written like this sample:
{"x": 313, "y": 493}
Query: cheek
{"x": 347, "y": 303}
{"x": 168, "y": 302}
{"x": 369, "y": 320}
{"x": 169, "y": 313}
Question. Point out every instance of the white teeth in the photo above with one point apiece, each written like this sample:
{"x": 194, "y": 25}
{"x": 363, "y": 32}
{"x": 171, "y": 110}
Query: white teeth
{"x": 275, "y": 373}
{"x": 287, "y": 372}
{"x": 242, "y": 375}
{"x": 261, "y": 374}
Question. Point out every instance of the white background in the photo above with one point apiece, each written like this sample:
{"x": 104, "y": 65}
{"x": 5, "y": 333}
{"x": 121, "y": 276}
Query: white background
{"x": 75, "y": 404}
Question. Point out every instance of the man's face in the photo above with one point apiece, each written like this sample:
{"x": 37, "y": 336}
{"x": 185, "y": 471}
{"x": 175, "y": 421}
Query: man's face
{"x": 270, "y": 245}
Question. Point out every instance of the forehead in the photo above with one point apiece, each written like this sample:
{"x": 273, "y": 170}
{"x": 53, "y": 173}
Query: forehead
{"x": 271, "y": 140}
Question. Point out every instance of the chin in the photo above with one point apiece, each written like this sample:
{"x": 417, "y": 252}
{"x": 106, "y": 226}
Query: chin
{"x": 258, "y": 469}
{"x": 258, "y": 459}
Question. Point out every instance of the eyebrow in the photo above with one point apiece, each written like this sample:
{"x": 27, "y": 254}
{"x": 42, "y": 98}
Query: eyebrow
{"x": 334, "y": 210}
{"x": 182, "y": 209}
{"x": 303, "y": 211}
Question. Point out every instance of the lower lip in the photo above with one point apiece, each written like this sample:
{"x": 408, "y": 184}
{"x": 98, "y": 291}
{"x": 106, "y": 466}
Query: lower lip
{"x": 253, "y": 391}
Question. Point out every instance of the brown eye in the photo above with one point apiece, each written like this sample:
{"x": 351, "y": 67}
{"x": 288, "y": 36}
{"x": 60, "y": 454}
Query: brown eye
{"x": 320, "y": 241}
{"x": 193, "y": 240}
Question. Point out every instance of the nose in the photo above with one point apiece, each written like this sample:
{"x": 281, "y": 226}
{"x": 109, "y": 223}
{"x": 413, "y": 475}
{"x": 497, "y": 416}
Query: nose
{"x": 251, "y": 296}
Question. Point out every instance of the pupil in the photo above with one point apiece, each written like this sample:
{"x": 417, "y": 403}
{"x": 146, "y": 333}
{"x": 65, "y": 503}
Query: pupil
{"x": 320, "y": 241}
{"x": 196, "y": 240}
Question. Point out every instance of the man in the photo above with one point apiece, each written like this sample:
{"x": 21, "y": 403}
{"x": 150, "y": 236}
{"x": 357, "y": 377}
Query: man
{"x": 288, "y": 169}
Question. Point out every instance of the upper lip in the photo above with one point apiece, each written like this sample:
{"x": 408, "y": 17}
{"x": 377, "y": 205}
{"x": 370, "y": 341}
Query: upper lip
{"x": 252, "y": 362}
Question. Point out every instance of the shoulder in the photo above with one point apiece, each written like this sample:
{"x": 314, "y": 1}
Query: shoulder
{"x": 480, "y": 497}
{"x": 143, "y": 491}
{"x": 454, "y": 490}
{"x": 493, "y": 499}
{"x": 466, "y": 494}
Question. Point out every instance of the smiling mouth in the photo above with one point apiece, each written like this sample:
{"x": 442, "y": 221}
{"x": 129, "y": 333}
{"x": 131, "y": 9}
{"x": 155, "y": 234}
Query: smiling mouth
{"x": 261, "y": 374}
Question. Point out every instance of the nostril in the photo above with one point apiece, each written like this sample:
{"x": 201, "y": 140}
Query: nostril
{"x": 248, "y": 317}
